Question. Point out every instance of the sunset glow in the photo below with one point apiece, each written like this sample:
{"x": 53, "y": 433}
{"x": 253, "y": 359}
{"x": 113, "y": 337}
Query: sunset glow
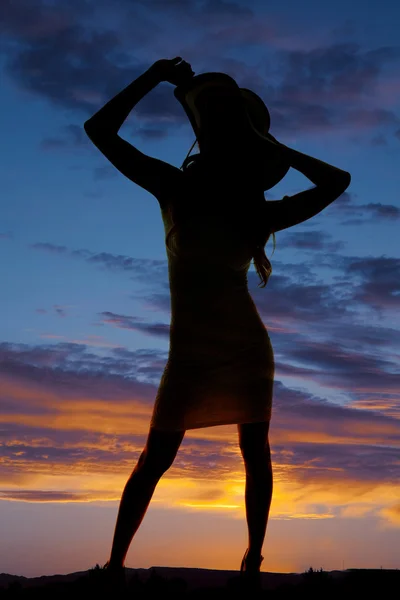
{"x": 85, "y": 297}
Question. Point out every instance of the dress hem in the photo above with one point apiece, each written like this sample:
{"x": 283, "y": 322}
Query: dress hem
{"x": 203, "y": 425}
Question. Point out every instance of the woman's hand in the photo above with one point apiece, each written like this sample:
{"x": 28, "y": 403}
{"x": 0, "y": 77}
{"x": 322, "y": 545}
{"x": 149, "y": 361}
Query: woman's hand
{"x": 174, "y": 70}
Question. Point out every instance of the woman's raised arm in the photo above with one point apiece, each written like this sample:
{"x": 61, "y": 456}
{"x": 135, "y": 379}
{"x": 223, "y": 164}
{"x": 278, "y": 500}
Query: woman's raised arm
{"x": 112, "y": 115}
{"x": 330, "y": 183}
{"x": 317, "y": 171}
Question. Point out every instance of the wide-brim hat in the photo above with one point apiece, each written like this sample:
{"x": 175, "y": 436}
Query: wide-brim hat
{"x": 258, "y": 119}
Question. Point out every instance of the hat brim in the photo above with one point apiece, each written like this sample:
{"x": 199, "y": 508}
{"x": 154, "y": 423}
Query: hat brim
{"x": 186, "y": 94}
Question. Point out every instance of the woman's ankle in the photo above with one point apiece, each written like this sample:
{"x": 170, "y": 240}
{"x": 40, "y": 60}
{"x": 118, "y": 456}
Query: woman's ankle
{"x": 253, "y": 559}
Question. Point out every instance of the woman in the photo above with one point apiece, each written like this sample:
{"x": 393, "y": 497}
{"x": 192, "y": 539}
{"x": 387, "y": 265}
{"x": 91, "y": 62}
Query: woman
{"x": 220, "y": 368}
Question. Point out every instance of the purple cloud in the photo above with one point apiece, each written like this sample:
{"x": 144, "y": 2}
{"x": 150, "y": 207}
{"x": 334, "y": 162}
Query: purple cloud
{"x": 104, "y": 172}
{"x": 50, "y": 248}
{"x": 313, "y": 440}
{"x": 44, "y": 496}
{"x": 73, "y": 137}
{"x": 141, "y": 267}
{"x": 128, "y": 322}
{"x": 324, "y": 88}
{"x": 61, "y": 312}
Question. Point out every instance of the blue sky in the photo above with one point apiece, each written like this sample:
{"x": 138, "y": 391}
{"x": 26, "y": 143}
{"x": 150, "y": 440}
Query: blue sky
{"x": 84, "y": 337}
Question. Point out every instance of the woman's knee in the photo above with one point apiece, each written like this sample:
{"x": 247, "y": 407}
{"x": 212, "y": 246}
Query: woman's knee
{"x": 257, "y": 458}
{"x": 160, "y": 452}
{"x": 254, "y": 446}
{"x": 154, "y": 465}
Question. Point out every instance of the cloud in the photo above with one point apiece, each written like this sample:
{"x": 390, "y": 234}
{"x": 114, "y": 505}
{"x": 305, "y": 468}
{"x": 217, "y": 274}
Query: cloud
{"x": 333, "y": 73}
{"x": 89, "y": 340}
{"x": 313, "y": 85}
{"x": 330, "y": 88}
{"x": 77, "y": 67}
{"x": 134, "y": 323}
{"x": 70, "y": 416}
{"x": 379, "y": 140}
{"x": 53, "y": 248}
{"x": 71, "y": 413}
{"x": 392, "y": 513}
{"x": 296, "y": 293}
{"x": 65, "y": 64}
{"x": 294, "y": 296}
{"x": 221, "y": 8}
{"x": 141, "y": 268}
{"x": 386, "y": 406}
{"x": 72, "y": 138}
{"x": 76, "y": 361}
{"x": 313, "y": 241}
{"x": 203, "y": 13}
{"x": 350, "y": 212}
{"x": 389, "y": 212}
{"x": 45, "y": 496}
{"x": 48, "y": 377}
{"x": 298, "y": 305}
{"x": 104, "y": 172}
{"x": 378, "y": 277}
{"x": 329, "y": 463}
{"x": 378, "y": 287}
{"x": 149, "y": 133}
{"x": 34, "y": 19}
{"x": 60, "y": 311}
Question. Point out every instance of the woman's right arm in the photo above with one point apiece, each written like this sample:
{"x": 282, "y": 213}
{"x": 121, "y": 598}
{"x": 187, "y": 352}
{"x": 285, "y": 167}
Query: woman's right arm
{"x": 317, "y": 171}
{"x": 330, "y": 183}
{"x": 109, "y": 119}
{"x": 152, "y": 174}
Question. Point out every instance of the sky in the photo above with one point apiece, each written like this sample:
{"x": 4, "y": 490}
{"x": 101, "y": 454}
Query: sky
{"x": 85, "y": 297}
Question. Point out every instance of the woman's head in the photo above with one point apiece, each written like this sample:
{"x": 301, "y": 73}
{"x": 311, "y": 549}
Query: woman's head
{"x": 221, "y": 118}
{"x": 226, "y": 134}
{"x": 231, "y": 125}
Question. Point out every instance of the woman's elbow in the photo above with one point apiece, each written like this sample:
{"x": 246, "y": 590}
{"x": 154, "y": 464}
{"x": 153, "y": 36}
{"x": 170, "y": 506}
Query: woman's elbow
{"x": 346, "y": 179}
{"x": 342, "y": 182}
{"x": 88, "y": 127}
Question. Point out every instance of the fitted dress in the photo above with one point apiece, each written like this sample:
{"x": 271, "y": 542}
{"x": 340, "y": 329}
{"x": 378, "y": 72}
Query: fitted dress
{"x": 220, "y": 366}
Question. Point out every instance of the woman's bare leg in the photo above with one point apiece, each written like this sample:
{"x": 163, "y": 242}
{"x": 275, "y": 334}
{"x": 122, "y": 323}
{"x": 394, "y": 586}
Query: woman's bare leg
{"x": 254, "y": 445}
{"x": 156, "y": 458}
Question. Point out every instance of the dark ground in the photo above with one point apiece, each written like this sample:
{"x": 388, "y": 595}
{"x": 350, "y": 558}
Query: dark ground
{"x": 163, "y": 582}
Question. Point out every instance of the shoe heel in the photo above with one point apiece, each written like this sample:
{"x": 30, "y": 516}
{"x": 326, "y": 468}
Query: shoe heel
{"x": 243, "y": 564}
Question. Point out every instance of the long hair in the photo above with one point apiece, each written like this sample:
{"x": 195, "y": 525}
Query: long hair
{"x": 259, "y": 236}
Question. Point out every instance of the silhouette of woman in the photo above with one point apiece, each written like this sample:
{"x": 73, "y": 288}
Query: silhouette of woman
{"x": 220, "y": 368}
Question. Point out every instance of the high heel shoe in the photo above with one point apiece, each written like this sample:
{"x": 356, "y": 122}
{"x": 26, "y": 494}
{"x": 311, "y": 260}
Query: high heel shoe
{"x": 250, "y": 572}
{"x": 254, "y": 567}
